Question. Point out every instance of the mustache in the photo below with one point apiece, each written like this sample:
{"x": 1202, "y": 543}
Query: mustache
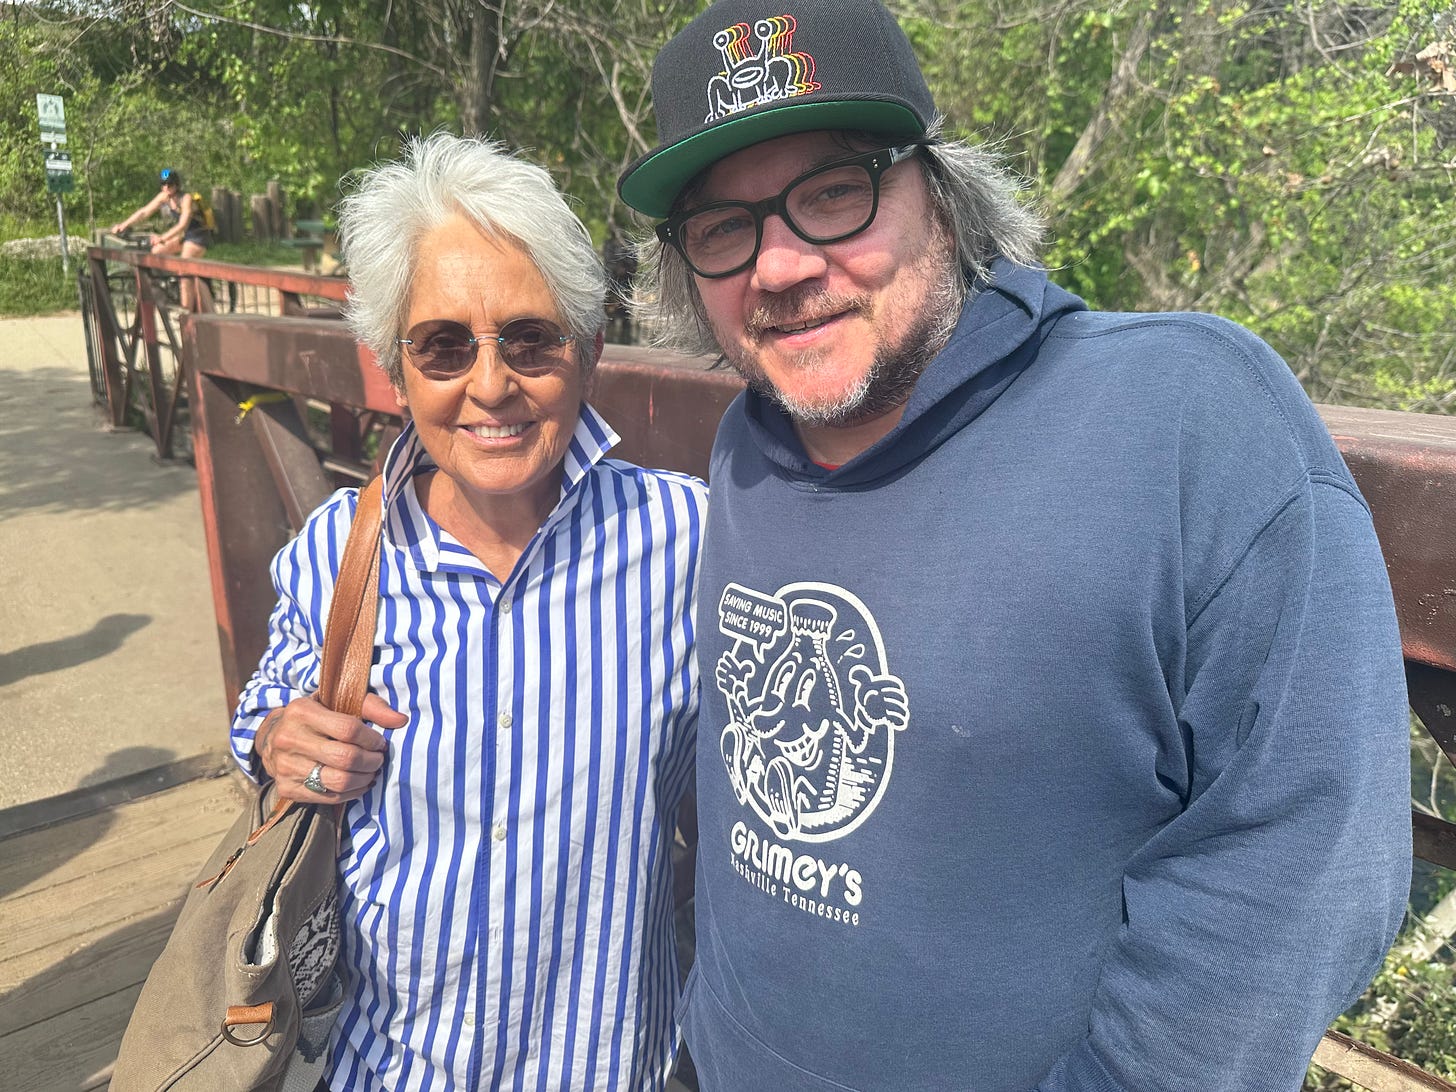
{"x": 802, "y": 303}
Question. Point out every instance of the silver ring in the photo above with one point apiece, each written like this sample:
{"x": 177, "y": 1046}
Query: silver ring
{"x": 313, "y": 783}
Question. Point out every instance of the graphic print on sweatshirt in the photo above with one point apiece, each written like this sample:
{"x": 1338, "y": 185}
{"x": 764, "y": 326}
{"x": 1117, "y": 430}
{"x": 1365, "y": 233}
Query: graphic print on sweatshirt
{"x": 812, "y": 708}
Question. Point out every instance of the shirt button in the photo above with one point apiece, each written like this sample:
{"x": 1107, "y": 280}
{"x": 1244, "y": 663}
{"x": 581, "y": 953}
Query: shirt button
{"x": 504, "y": 720}
{"x": 499, "y": 831}
{"x": 505, "y": 605}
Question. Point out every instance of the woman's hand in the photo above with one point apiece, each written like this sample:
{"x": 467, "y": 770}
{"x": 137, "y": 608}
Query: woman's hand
{"x": 343, "y": 753}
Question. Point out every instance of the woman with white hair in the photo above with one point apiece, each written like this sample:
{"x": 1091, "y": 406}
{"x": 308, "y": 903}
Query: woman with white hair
{"x": 512, "y": 789}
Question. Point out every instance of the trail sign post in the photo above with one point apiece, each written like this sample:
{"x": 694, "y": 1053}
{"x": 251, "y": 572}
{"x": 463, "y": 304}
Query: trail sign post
{"x": 52, "y": 110}
{"x": 59, "y": 180}
{"x": 58, "y": 172}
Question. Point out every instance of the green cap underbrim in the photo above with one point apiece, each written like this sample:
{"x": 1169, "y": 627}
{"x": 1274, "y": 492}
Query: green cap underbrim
{"x": 652, "y": 184}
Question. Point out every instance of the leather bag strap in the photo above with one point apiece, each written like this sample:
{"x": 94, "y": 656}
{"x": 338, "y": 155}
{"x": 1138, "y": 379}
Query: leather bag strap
{"x": 349, "y": 633}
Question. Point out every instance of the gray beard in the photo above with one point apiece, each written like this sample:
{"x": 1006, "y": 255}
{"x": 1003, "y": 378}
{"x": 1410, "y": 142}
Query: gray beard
{"x": 892, "y": 374}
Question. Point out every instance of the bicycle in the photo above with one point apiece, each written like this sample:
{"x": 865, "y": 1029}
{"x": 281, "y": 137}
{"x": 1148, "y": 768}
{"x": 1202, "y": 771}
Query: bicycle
{"x": 146, "y": 311}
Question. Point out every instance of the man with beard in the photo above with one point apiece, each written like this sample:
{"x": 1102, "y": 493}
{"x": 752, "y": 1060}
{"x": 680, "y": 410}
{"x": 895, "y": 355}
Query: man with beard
{"x": 1053, "y": 724}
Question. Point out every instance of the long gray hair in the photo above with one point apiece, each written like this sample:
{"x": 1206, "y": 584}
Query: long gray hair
{"x": 976, "y": 197}
{"x": 394, "y": 205}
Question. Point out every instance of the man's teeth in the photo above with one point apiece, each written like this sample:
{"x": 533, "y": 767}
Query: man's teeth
{"x": 492, "y": 432}
{"x": 796, "y": 327}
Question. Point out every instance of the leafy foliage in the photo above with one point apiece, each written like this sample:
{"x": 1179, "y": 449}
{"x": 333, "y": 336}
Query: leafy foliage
{"x": 1288, "y": 165}
{"x": 309, "y": 93}
{"x": 126, "y": 117}
{"x": 1409, "y": 1011}
{"x": 35, "y": 286}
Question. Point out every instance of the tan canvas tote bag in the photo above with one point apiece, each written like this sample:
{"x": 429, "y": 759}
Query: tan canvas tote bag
{"x": 246, "y": 991}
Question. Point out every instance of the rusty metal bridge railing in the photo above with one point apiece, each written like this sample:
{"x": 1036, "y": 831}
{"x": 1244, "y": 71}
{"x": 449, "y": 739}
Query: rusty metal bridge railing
{"x": 323, "y": 412}
{"x": 131, "y": 311}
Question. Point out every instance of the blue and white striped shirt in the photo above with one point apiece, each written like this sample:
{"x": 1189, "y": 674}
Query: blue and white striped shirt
{"x": 506, "y": 883}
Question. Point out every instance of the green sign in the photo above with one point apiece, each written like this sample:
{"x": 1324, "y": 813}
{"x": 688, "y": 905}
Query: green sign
{"x": 52, "y": 111}
{"x": 59, "y": 178}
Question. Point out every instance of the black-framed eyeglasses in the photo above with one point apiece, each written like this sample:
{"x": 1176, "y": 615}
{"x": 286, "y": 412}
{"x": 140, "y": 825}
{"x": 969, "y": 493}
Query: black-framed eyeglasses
{"x": 446, "y": 349}
{"x": 826, "y": 205}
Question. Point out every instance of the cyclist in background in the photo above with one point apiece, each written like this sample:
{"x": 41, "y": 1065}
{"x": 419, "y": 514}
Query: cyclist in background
{"x": 186, "y": 233}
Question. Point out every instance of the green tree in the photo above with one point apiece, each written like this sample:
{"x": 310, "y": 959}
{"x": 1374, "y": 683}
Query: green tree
{"x": 131, "y": 108}
{"x": 1288, "y": 165}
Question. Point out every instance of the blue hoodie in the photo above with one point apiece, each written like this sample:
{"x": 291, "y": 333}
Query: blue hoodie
{"x": 1057, "y": 741}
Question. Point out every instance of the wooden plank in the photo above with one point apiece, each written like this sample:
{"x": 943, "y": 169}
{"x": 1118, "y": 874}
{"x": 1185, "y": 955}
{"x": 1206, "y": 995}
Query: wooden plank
{"x": 1373, "y": 1069}
{"x": 49, "y": 935}
{"x": 117, "y": 960}
{"x": 50, "y": 810}
{"x": 74, "y": 1053}
{"x": 79, "y": 848}
{"x": 118, "y": 877}
{"x": 88, "y": 903}
{"x": 68, "y": 886}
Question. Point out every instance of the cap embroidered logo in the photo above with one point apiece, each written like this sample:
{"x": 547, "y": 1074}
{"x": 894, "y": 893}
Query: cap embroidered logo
{"x": 759, "y": 66}
{"x": 760, "y": 84}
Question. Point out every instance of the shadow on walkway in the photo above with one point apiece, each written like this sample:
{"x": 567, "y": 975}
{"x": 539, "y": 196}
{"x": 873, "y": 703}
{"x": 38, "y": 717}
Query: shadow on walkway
{"x": 56, "y": 455}
{"x": 103, "y": 638}
{"x": 71, "y": 839}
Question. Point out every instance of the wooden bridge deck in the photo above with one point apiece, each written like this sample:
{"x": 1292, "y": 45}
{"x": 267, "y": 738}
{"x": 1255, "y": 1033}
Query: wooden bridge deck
{"x": 88, "y": 894}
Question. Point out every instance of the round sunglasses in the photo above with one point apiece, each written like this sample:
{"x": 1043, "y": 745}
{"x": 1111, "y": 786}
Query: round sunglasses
{"x": 446, "y": 349}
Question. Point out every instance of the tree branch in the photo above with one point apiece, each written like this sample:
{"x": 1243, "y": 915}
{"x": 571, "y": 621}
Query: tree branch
{"x": 297, "y": 36}
{"x": 614, "y": 88}
{"x": 1077, "y": 164}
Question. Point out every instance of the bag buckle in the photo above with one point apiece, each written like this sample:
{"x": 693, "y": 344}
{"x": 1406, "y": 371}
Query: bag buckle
{"x": 246, "y": 1015}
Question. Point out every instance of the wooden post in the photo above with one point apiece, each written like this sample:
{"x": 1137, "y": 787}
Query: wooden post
{"x": 262, "y": 218}
{"x": 235, "y": 216}
{"x": 275, "y": 199}
{"x": 220, "y": 213}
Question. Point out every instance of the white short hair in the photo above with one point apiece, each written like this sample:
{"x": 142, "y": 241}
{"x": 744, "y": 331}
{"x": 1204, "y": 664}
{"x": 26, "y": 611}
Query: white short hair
{"x": 393, "y": 206}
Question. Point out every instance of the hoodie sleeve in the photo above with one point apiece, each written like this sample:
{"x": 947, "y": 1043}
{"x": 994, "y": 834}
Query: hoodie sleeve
{"x": 1265, "y": 908}
{"x": 303, "y": 578}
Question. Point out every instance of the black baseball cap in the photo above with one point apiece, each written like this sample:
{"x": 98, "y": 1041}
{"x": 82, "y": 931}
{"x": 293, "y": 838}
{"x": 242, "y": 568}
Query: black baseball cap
{"x": 169, "y": 174}
{"x": 746, "y": 71}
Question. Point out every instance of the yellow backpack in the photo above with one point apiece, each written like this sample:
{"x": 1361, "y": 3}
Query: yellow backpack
{"x": 204, "y": 210}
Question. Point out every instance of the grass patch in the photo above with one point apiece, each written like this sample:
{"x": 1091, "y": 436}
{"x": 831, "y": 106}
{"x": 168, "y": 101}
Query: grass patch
{"x": 36, "y": 286}
{"x": 251, "y": 253}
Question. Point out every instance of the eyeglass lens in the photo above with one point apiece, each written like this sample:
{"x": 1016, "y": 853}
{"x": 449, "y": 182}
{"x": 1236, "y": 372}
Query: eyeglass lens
{"x": 825, "y": 205}
{"x": 446, "y": 349}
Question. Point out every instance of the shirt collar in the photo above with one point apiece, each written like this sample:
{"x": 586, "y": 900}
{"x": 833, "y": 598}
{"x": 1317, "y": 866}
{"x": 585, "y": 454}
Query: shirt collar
{"x": 406, "y": 526}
